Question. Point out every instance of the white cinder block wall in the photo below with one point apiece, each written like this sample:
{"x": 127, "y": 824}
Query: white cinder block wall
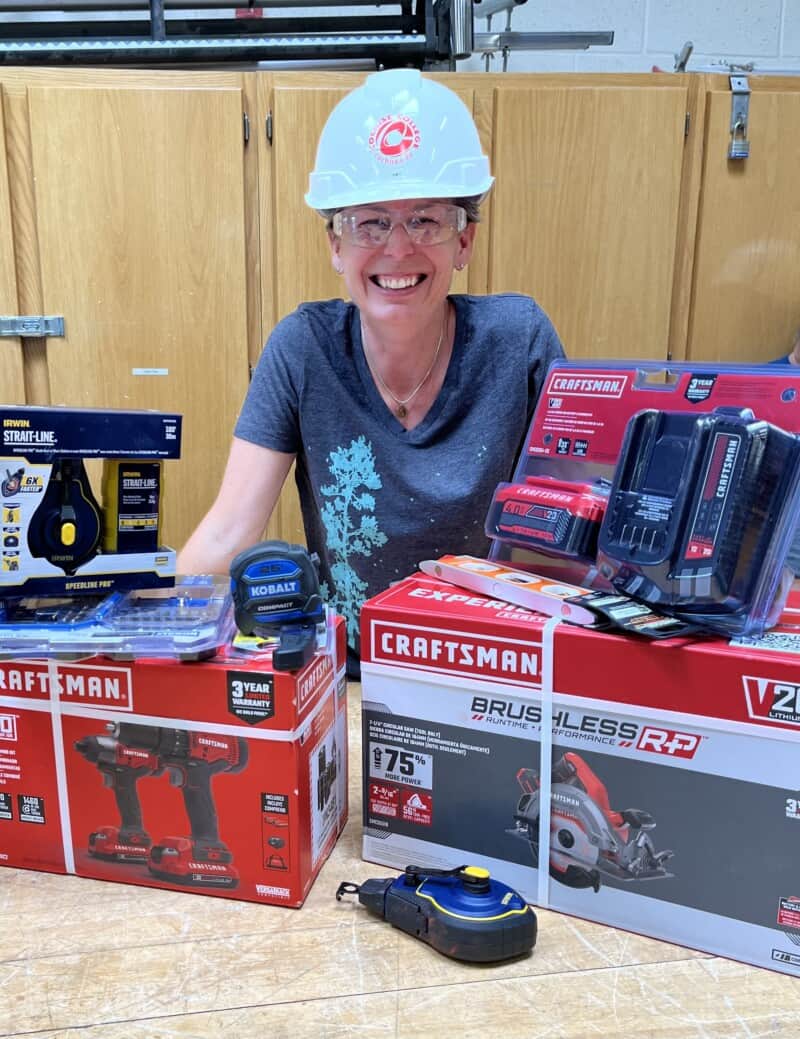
{"x": 649, "y": 33}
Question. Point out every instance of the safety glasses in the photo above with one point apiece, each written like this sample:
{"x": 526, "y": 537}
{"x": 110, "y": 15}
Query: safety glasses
{"x": 369, "y": 227}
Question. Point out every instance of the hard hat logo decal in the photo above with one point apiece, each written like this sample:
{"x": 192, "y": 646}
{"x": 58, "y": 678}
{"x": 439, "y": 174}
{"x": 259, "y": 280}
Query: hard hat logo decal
{"x": 394, "y": 139}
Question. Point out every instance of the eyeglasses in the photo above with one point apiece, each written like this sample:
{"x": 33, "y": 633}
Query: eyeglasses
{"x": 427, "y": 225}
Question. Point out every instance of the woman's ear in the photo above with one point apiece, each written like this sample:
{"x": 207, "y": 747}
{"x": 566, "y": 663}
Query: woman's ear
{"x": 466, "y": 242}
{"x": 794, "y": 356}
{"x": 336, "y": 259}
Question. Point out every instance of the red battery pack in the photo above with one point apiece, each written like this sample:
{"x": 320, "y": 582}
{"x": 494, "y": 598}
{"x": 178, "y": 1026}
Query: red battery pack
{"x": 557, "y": 517}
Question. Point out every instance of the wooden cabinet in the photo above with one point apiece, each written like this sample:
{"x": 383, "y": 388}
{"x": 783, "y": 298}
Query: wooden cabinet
{"x": 585, "y": 209}
{"x": 131, "y": 205}
{"x": 11, "y": 366}
{"x": 745, "y": 301}
{"x": 583, "y": 215}
{"x": 130, "y": 216}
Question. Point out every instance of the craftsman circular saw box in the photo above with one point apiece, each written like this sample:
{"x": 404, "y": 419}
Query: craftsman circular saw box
{"x": 219, "y": 776}
{"x": 648, "y": 785}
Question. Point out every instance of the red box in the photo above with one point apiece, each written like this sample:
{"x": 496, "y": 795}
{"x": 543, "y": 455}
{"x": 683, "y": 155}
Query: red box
{"x": 219, "y": 776}
{"x": 480, "y": 717}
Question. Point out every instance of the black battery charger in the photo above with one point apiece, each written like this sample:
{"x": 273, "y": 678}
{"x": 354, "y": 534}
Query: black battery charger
{"x": 698, "y": 513}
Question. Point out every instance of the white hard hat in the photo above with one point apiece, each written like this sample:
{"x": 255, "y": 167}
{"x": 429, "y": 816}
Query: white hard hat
{"x": 397, "y": 136}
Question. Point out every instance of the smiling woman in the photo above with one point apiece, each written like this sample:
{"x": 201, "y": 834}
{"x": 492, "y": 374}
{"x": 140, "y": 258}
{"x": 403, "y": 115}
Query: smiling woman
{"x": 406, "y": 406}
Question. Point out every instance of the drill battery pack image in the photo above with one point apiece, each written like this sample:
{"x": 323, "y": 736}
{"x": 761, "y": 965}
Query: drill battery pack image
{"x": 62, "y": 536}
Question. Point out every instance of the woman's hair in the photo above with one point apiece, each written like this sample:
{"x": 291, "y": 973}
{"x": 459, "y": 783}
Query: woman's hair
{"x": 470, "y": 205}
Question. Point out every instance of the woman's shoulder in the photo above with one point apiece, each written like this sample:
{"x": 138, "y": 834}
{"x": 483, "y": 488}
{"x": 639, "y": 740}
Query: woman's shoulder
{"x": 313, "y": 326}
{"x": 504, "y": 305}
{"x": 325, "y": 315}
{"x": 503, "y": 309}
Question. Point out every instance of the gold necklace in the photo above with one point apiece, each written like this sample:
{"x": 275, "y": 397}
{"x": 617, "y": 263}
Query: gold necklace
{"x": 401, "y": 411}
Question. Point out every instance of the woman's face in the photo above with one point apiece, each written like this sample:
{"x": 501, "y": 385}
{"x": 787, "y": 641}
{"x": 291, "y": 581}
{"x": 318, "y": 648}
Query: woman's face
{"x": 399, "y": 280}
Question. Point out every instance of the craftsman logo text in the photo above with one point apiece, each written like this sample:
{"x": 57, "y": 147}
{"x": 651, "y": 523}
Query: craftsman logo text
{"x": 453, "y": 652}
{"x": 578, "y": 384}
{"x": 90, "y": 686}
{"x": 316, "y": 679}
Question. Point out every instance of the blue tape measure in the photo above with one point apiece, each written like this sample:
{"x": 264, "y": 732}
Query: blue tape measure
{"x": 275, "y": 590}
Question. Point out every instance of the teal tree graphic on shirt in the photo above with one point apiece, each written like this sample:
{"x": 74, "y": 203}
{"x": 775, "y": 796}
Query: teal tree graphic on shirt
{"x": 351, "y": 526}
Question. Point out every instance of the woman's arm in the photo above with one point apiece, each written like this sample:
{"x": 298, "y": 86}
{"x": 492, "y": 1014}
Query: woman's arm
{"x": 248, "y": 493}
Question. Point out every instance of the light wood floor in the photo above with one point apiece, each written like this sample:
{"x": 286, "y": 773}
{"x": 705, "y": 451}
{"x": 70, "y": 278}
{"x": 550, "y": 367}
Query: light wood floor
{"x": 82, "y": 959}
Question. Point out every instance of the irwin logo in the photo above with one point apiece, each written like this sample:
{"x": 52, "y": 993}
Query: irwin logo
{"x": 91, "y": 686}
{"x": 451, "y": 652}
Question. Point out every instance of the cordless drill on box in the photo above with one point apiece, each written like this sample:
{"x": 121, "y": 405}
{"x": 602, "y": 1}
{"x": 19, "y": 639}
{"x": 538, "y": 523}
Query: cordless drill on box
{"x": 191, "y": 759}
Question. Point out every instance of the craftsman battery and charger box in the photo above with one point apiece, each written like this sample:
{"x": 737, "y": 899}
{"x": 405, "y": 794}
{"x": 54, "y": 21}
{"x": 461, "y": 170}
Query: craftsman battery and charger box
{"x": 676, "y": 486}
{"x": 652, "y": 786}
{"x": 62, "y": 536}
{"x": 218, "y": 776}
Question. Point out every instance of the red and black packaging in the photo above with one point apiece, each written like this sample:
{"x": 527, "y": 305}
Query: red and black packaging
{"x": 556, "y": 517}
{"x": 219, "y": 776}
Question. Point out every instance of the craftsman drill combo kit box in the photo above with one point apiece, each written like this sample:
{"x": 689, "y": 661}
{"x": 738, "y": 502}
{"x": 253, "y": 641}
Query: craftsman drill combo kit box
{"x": 141, "y": 740}
{"x": 629, "y": 753}
{"x": 219, "y": 775}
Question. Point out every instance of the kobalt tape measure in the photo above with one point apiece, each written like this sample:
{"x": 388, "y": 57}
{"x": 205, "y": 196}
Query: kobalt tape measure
{"x": 275, "y": 590}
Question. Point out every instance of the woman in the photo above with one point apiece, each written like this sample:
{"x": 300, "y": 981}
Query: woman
{"x": 407, "y": 406}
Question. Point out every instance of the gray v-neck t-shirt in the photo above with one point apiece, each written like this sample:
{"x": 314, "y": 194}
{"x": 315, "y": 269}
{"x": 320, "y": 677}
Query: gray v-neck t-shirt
{"x": 377, "y": 498}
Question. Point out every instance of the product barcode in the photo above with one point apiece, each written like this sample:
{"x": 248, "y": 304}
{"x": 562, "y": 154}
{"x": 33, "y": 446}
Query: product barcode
{"x": 777, "y": 641}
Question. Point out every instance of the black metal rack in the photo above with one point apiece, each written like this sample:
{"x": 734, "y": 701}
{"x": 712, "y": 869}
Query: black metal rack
{"x": 421, "y": 33}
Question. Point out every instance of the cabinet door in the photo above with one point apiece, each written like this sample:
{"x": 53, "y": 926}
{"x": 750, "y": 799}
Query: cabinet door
{"x": 746, "y": 291}
{"x": 12, "y": 388}
{"x": 585, "y": 207}
{"x": 139, "y": 210}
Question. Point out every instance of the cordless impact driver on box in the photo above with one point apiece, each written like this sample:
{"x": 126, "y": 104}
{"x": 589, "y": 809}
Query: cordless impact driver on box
{"x": 191, "y": 759}
{"x": 121, "y": 768}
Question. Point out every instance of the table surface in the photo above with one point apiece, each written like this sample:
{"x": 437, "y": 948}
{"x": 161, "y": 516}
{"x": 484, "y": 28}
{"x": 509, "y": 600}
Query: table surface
{"x": 84, "y": 959}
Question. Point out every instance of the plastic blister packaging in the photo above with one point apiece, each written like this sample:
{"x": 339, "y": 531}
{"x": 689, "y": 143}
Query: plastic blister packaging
{"x": 701, "y": 516}
{"x": 578, "y": 427}
{"x": 188, "y": 622}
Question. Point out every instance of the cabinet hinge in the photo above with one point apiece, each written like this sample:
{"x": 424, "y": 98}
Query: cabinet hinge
{"x": 32, "y": 326}
{"x": 268, "y": 126}
{"x": 687, "y": 123}
{"x": 246, "y": 127}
